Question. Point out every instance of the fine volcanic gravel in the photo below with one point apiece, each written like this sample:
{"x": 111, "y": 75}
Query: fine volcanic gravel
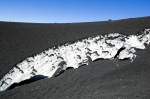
{"x": 117, "y": 79}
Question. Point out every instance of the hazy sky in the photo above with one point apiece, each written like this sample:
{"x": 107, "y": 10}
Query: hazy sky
{"x": 54, "y": 11}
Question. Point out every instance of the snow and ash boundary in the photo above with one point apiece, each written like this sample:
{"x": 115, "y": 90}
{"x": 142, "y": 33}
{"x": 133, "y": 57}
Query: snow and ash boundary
{"x": 110, "y": 46}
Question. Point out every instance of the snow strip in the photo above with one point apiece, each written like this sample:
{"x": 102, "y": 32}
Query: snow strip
{"x": 74, "y": 55}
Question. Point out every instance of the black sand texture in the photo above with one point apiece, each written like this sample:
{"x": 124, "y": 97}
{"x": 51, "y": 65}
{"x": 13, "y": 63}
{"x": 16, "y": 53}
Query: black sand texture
{"x": 103, "y": 79}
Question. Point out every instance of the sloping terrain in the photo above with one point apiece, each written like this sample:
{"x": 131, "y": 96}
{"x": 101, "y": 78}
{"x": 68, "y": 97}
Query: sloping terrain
{"x": 101, "y": 79}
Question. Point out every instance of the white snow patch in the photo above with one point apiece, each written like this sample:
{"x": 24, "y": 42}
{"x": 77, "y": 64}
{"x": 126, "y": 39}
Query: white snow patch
{"x": 75, "y": 55}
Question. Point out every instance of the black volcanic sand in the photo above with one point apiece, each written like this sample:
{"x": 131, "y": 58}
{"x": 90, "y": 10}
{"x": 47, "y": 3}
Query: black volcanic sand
{"x": 108, "y": 79}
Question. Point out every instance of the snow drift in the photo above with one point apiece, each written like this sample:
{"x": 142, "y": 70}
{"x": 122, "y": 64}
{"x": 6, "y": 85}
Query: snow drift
{"x": 110, "y": 46}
